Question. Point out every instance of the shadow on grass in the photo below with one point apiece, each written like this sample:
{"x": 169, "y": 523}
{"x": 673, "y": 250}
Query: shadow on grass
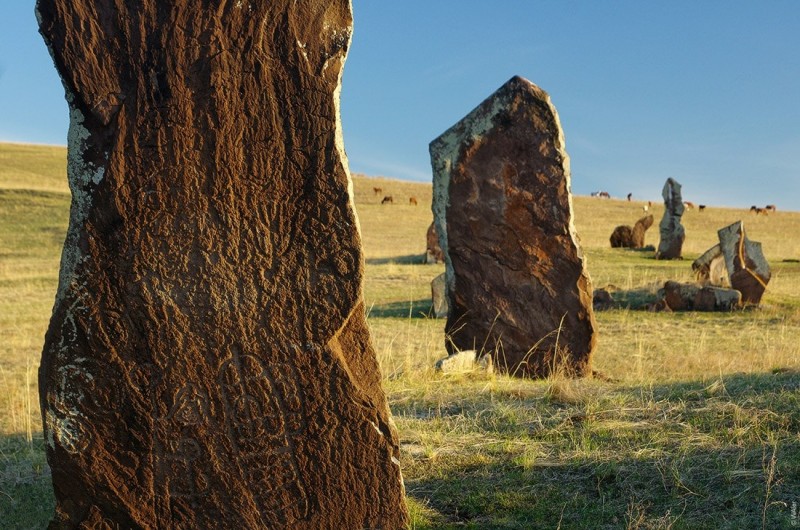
{"x": 689, "y": 464}
{"x": 26, "y": 491}
{"x": 415, "y": 309}
{"x": 409, "y": 259}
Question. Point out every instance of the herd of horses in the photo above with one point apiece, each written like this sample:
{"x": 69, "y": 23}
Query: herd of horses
{"x": 689, "y": 205}
{"x": 388, "y": 199}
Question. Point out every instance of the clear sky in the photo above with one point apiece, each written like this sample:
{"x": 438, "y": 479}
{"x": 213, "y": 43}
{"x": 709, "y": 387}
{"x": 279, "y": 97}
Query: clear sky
{"x": 705, "y": 92}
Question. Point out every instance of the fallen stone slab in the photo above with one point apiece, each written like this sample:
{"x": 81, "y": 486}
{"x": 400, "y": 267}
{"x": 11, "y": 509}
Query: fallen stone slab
{"x": 710, "y": 268}
{"x": 691, "y": 297}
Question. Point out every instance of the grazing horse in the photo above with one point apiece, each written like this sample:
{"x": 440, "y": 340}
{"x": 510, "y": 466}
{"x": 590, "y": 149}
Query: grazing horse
{"x": 701, "y": 207}
{"x": 377, "y": 191}
{"x": 771, "y": 207}
{"x": 689, "y": 205}
{"x": 754, "y": 208}
{"x": 387, "y": 200}
{"x": 629, "y": 197}
{"x": 604, "y": 194}
{"x": 412, "y": 200}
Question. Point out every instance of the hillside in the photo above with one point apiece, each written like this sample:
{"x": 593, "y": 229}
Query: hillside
{"x": 696, "y": 423}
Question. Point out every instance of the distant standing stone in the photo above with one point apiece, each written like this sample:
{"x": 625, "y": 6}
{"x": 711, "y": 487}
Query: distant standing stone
{"x": 433, "y": 252}
{"x": 671, "y": 230}
{"x": 625, "y": 236}
{"x": 515, "y": 277}
{"x": 208, "y": 362}
{"x": 438, "y": 297}
{"x": 748, "y": 269}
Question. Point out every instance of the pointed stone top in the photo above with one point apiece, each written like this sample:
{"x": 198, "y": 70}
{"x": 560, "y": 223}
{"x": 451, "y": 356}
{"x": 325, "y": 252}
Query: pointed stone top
{"x": 481, "y": 118}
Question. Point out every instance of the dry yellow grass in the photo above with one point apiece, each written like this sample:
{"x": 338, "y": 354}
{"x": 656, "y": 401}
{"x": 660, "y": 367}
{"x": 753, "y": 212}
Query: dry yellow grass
{"x": 697, "y": 428}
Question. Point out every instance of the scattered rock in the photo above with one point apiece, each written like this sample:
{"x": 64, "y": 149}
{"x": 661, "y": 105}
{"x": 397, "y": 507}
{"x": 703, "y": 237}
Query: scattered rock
{"x": 748, "y": 270}
{"x": 690, "y": 297}
{"x": 602, "y": 300}
{"x": 659, "y": 306}
{"x": 433, "y": 252}
{"x": 671, "y": 231}
{"x": 438, "y": 296}
{"x": 515, "y": 275}
{"x": 465, "y": 361}
{"x": 208, "y": 362}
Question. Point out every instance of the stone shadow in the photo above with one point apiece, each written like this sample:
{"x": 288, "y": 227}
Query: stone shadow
{"x": 677, "y": 483}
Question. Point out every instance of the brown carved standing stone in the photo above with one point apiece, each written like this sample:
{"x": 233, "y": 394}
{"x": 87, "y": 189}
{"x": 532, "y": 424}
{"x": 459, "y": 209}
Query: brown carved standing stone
{"x": 748, "y": 269}
{"x": 208, "y": 363}
{"x": 514, "y": 271}
{"x": 433, "y": 252}
{"x": 671, "y": 230}
{"x": 625, "y": 236}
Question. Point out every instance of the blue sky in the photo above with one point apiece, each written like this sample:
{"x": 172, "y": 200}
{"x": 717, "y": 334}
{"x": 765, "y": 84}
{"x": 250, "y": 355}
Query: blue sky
{"x": 705, "y": 92}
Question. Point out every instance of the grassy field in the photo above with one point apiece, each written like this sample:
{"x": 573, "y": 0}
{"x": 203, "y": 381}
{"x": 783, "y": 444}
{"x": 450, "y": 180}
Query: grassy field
{"x": 695, "y": 424}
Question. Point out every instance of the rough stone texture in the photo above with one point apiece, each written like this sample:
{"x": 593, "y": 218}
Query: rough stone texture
{"x": 433, "y": 252}
{"x": 671, "y": 230}
{"x": 622, "y": 237}
{"x": 710, "y": 268}
{"x": 208, "y": 363}
{"x": 625, "y": 236}
{"x": 514, "y": 271}
{"x": 748, "y": 270}
{"x": 439, "y": 298}
{"x": 640, "y": 229}
{"x": 690, "y": 297}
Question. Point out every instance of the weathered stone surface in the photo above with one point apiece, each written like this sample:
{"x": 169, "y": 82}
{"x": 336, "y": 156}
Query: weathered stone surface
{"x": 622, "y": 237}
{"x": 433, "y": 252}
{"x": 690, "y": 297}
{"x": 514, "y": 271}
{"x": 208, "y": 363}
{"x": 640, "y": 229}
{"x": 439, "y": 298}
{"x": 671, "y": 230}
{"x": 748, "y": 270}
{"x": 710, "y": 268}
{"x": 625, "y": 236}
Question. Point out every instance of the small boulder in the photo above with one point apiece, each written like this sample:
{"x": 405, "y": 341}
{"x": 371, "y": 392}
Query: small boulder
{"x": 602, "y": 300}
{"x": 464, "y": 361}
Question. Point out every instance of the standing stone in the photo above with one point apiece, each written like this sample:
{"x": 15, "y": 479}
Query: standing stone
{"x": 208, "y": 363}
{"x": 625, "y": 236}
{"x": 438, "y": 297}
{"x": 433, "y": 252}
{"x": 748, "y": 269}
{"x": 515, "y": 277}
{"x": 671, "y": 230}
{"x": 639, "y": 230}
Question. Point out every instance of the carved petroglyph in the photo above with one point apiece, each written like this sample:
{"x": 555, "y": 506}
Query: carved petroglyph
{"x": 264, "y": 409}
